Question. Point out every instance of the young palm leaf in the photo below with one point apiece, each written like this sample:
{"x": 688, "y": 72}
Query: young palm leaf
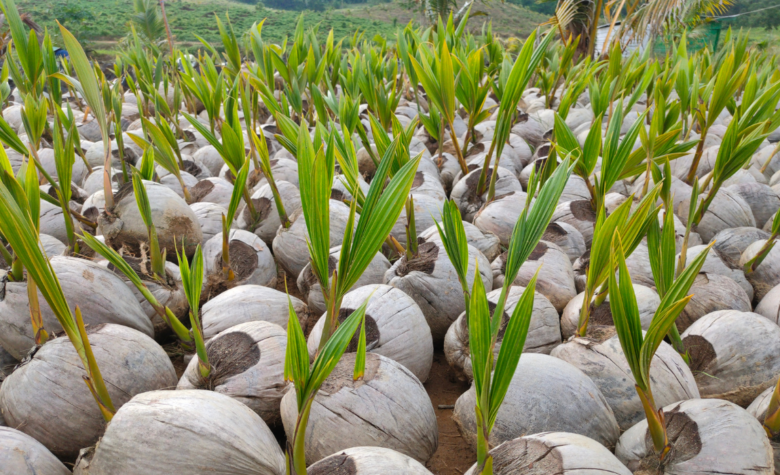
{"x": 157, "y": 256}
{"x": 192, "y": 281}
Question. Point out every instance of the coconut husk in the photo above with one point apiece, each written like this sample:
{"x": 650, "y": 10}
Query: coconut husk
{"x": 769, "y": 306}
{"x": 208, "y": 157}
{"x": 712, "y": 292}
{"x": 727, "y": 210}
{"x": 448, "y": 167}
{"x": 340, "y": 192}
{"x": 170, "y": 181}
{"x": 20, "y": 454}
{"x": 529, "y": 130}
{"x": 49, "y": 386}
{"x": 544, "y": 331}
{"x": 101, "y": 295}
{"x": 578, "y": 214}
{"x": 601, "y": 326}
{"x": 368, "y": 461}
{"x": 247, "y": 363}
{"x": 268, "y": 222}
{"x": 249, "y": 303}
{"x": 606, "y": 364}
{"x": 734, "y": 355}
{"x": 767, "y": 274}
{"x": 176, "y": 224}
{"x": 553, "y": 452}
{"x": 714, "y": 264}
{"x": 212, "y": 190}
{"x": 311, "y": 289}
{"x": 762, "y": 199}
{"x": 566, "y": 237}
{"x": 387, "y": 408}
{"x": 213, "y": 433}
{"x": 431, "y": 280}
{"x": 395, "y": 328}
{"x": 426, "y": 211}
{"x": 250, "y": 260}
{"x": 706, "y": 436}
{"x": 487, "y": 242}
{"x": 731, "y": 243}
{"x": 210, "y": 218}
{"x": 500, "y": 215}
{"x": 464, "y": 191}
{"x": 545, "y": 393}
{"x": 94, "y": 181}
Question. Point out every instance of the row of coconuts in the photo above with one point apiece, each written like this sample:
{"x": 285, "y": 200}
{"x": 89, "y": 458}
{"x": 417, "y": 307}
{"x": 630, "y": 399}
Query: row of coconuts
{"x": 571, "y": 406}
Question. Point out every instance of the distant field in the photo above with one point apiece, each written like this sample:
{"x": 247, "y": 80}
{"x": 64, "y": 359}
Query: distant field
{"x": 106, "y": 20}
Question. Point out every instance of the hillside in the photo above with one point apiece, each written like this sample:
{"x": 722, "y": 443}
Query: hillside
{"x": 104, "y": 21}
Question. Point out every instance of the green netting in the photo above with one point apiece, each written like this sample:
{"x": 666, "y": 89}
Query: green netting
{"x": 707, "y": 35}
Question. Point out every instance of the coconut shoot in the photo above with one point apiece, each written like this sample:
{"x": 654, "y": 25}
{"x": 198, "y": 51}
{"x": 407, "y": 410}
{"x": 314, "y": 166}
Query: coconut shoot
{"x": 192, "y": 281}
{"x": 153, "y": 252}
{"x": 751, "y": 265}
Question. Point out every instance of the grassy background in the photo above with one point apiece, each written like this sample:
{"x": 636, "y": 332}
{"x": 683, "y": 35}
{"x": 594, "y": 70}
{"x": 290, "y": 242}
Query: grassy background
{"x": 102, "y": 22}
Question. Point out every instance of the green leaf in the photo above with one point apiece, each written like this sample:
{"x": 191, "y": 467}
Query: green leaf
{"x": 296, "y": 360}
{"x": 478, "y": 315}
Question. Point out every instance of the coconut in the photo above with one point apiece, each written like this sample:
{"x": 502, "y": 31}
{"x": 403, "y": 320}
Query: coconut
{"x": 578, "y": 214}
{"x": 250, "y": 260}
{"x": 395, "y": 328}
{"x": 767, "y": 274}
{"x": 566, "y": 237}
{"x": 208, "y": 157}
{"x": 714, "y": 264}
{"x": 52, "y": 221}
{"x": 727, "y": 210}
{"x": 51, "y": 245}
{"x": 734, "y": 355}
{"x": 758, "y": 410}
{"x": 311, "y": 289}
{"x": 556, "y": 275}
{"x": 529, "y": 130}
{"x": 448, "y": 167}
{"x": 176, "y": 224}
{"x": 94, "y": 181}
{"x": 561, "y": 453}
{"x": 731, "y": 243}
{"x": 168, "y": 291}
{"x": 499, "y": 216}
{"x": 762, "y": 199}
{"x": 544, "y": 332}
{"x": 170, "y": 181}
{"x": 247, "y": 363}
{"x": 431, "y": 280}
{"x": 368, "y": 461}
{"x": 428, "y": 184}
{"x": 600, "y": 324}
{"x": 268, "y": 221}
{"x": 545, "y": 393}
{"x": 769, "y": 306}
{"x": 7, "y": 365}
{"x": 387, "y": 408}
{"x": 209, "y": 217}
{"x": 102, "y": 296}
{"x": 706, "y": 436}
{"x": 213, "y": 433}
{"x": 426, "y": 210}
{"x": 49, "y": 387}
{"x": 487, "y": 242}
{"x": 606, "y": 364}
{"x": 20, "y": 454}
{"x": 680, "y": 190}
{"x": 712, "y": 292}
{"x": 212, "y": 190}
{"x": 290, "y": 244}
{"x": 464, "y": 191}
{"x": 249, "y": 303}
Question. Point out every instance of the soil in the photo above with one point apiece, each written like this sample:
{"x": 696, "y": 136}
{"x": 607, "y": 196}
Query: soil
{"x": 454, "y": 456}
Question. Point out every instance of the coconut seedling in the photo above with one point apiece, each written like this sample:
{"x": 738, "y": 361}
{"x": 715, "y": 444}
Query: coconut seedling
{"x": 492, "y": 379}
{"x": 639, "y": 349}
{"x": 166, "y": 150}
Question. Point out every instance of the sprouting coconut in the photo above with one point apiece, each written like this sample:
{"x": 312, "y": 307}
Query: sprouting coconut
{"x": 560, "y": 453}
{"x": 268, "y": 217}
{"x": 762, "y": 199}
{"x": 488, "y": 243}
{"x": 426, "y": 211}
{"x": 714, "y": 264}
{"x": 545, "y": 393}
{"x": 174, "y": 220}
{"x": 368, "y": 461}
{"x": 210, "y": 218}
{"x": 251, "y": 263}
{"x": 388, "y": 408}
{"x": 769, "y": 306}
{"x": 734, "y": 355}
{"x": 544, "y": 331}
{"x": 428, "y": 184}
{"x": 705, "y": 436}
{"x": 600, "y": 323}
{"x": 767, "y": 275}
{"x": 247, "y": 364}
{"x": 758, "y": 409}
{"x": 431, "y": 280}
{"x": 727, "y": 210}
{"x": 499, "y": 216}
{"x": 52, "y": 221}
{"x": 556, "y": 276}
{"x": 395, "y": 328}
{"x": 712, "y": 292}
{"x": 49, "y": 386}
{"x": 731, "y": 243}
{"x": 289, "y": 245}
{"x": 311, "y": 289}
{"x": 102, "y": 296}
{"x": 578, "y": 214}
{"x": 606, "y": 364}
{"x": 567, "y": 238}
{"x": 529, "y": 130}
{"x": 249, "y": 303}
{"x": 208, "y": 157}
{"x": 212, "y": 190}
{"x": 464, "y": 191}
{"x": 211, "y": 432}
{"x": 94, "y": 181}
{"x": 20, "y": 454}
